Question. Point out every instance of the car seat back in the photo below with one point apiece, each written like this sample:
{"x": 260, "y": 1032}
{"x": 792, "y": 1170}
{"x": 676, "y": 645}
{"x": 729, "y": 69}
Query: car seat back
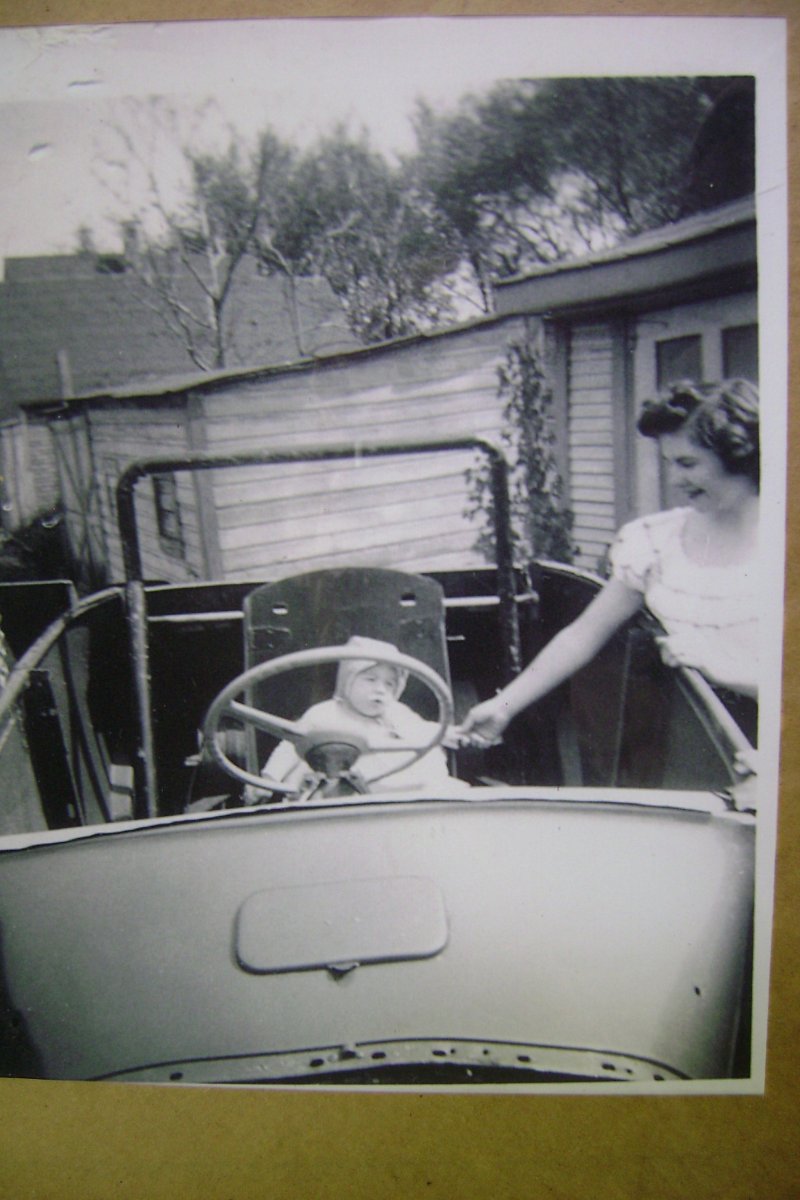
{"x": 326, "y": 608}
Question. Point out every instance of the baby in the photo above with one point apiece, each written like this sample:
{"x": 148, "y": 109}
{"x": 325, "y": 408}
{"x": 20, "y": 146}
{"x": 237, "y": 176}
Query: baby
{"x": 366, "y": 703}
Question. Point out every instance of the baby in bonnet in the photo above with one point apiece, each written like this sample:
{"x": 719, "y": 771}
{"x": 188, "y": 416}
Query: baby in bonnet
{"x": 366, "y": 703}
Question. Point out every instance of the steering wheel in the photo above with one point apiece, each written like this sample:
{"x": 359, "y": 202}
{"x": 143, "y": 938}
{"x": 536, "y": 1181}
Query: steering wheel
{"x": 330, "y": 751}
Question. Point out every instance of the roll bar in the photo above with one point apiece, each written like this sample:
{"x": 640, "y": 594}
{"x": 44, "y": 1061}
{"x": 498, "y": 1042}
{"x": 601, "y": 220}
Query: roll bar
{"x": 501, "y": 507}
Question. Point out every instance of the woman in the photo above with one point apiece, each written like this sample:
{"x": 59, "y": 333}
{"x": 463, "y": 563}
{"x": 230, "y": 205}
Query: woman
{"x": 694, "y": 567}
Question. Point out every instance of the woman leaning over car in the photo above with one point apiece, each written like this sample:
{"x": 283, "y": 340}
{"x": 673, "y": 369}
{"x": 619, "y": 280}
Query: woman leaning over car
{"x": 694, "y": 567}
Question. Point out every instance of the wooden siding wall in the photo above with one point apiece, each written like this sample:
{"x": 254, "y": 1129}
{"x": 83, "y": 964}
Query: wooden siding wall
{"x": 407, "y": 512}
{"x": 79, "y": 497}
{"x": 30, "y": 484}
{"x": 121, "y": 433}
{"x": 591, "y": 441}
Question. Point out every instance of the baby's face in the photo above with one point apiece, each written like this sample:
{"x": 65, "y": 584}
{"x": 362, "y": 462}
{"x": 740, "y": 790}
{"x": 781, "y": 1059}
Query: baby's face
{"x": 373, "y": 689}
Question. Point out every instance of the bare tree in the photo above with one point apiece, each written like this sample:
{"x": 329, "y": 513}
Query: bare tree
{"x": 338, "y": 211}
{"x": 187, "y": 242}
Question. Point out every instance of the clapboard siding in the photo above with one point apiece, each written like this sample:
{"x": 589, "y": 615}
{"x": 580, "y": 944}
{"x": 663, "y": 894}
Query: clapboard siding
{"x": 375, "y": 508}
{"x": 331, "y": 524}
{"x": 18, "y": 493}
{"x": 592, "y": 426}
{"x": 420, "y": 556}
{"x": 121, "y": 434}
{"x": 592, "y": 519}
{"x": 30, "y": 482}
{"x": 284, "y": 399}
{"x": 433, "y": 552}
{"x": 80, "y": 496}
{"x": 341, "y": 502}
{"x": 592, "y": 460}
{"x": 257, "y": 522}
{"x": 419, "y": 426}
{"x": 590, "y": 440}
{"x": 374, "y": 414}
{"x": 348, "y": 420}
{"x": 246, "y": 485}
{"x": 403, "y": 369}
{"x": 407, "y": 510}
{"x": 601, "y": 498}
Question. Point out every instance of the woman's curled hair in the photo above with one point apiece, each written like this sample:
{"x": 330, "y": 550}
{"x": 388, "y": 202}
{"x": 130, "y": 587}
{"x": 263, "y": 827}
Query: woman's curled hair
{"x": 722, "y": 417}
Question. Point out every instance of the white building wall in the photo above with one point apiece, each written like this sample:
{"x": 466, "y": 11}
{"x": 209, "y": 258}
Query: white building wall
{"x": 590, "y": 437}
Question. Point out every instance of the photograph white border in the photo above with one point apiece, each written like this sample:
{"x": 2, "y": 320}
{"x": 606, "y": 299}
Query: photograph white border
{"x": 39, "y": 65}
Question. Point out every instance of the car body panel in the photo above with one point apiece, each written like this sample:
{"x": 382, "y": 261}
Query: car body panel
{"x": 577, "y": 923}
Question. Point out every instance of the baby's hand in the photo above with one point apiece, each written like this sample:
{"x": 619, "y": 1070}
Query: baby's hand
{"x": 453, "y": 738}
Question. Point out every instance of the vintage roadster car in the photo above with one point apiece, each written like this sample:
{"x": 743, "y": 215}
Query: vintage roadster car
{"x": 574, "y": 907}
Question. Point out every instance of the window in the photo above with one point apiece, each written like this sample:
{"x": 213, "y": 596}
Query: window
{"x": 168, "y": 515}
{"x": 679, "y": 358}
{"x": 740, "y": 352}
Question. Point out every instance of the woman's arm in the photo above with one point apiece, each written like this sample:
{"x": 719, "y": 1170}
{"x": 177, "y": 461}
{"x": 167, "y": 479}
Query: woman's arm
{"x": 566, "y": 653}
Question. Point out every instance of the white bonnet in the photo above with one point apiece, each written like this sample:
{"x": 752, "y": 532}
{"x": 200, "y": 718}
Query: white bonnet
{"x": 350, "y": 667}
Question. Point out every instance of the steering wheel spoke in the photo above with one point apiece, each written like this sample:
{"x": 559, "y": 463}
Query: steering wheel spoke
{"x": 396, "y": 746}
{"x": 267, "y": 722}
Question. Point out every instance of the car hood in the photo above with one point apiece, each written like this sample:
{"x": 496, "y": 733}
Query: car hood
{"x": 293, "y": 942}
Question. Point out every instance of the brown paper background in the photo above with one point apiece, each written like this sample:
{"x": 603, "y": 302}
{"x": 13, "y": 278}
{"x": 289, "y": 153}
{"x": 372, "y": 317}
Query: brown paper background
{"x": 79, "y": 1141}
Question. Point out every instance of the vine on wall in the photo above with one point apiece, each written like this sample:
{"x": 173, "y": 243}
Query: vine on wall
{"x": 541, "y": 524}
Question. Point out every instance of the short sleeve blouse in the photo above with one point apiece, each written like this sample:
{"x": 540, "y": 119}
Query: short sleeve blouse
{"x": 718, "y": 602}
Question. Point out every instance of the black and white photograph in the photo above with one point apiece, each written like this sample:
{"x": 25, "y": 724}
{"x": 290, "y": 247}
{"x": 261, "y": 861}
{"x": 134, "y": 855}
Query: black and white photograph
{"x": 392, "y": 552}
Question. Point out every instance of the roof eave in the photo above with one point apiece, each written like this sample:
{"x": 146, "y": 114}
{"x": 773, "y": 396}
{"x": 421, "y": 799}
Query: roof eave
{"x": 634, "y": 279}
{"x": 680, "y": 255}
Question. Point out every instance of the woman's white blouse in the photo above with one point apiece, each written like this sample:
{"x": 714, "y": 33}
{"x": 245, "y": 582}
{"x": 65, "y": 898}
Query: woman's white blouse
{"x": 715, "y": 606}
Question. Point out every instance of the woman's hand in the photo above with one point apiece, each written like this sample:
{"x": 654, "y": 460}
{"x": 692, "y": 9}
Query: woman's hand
{"x": 484, "y": 724}
{"x": 745, "y": 763}
{"x": 681, "y": 650}
{"x": 570, "y": 649}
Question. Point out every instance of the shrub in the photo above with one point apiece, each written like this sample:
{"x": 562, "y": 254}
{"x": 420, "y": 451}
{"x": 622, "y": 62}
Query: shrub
{"x": 541, "y": 527}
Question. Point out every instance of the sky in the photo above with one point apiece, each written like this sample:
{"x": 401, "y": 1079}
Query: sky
{"x": 62, "y": 89}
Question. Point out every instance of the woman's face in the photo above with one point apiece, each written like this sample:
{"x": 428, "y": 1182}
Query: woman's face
{"x": 698, "y": 476}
